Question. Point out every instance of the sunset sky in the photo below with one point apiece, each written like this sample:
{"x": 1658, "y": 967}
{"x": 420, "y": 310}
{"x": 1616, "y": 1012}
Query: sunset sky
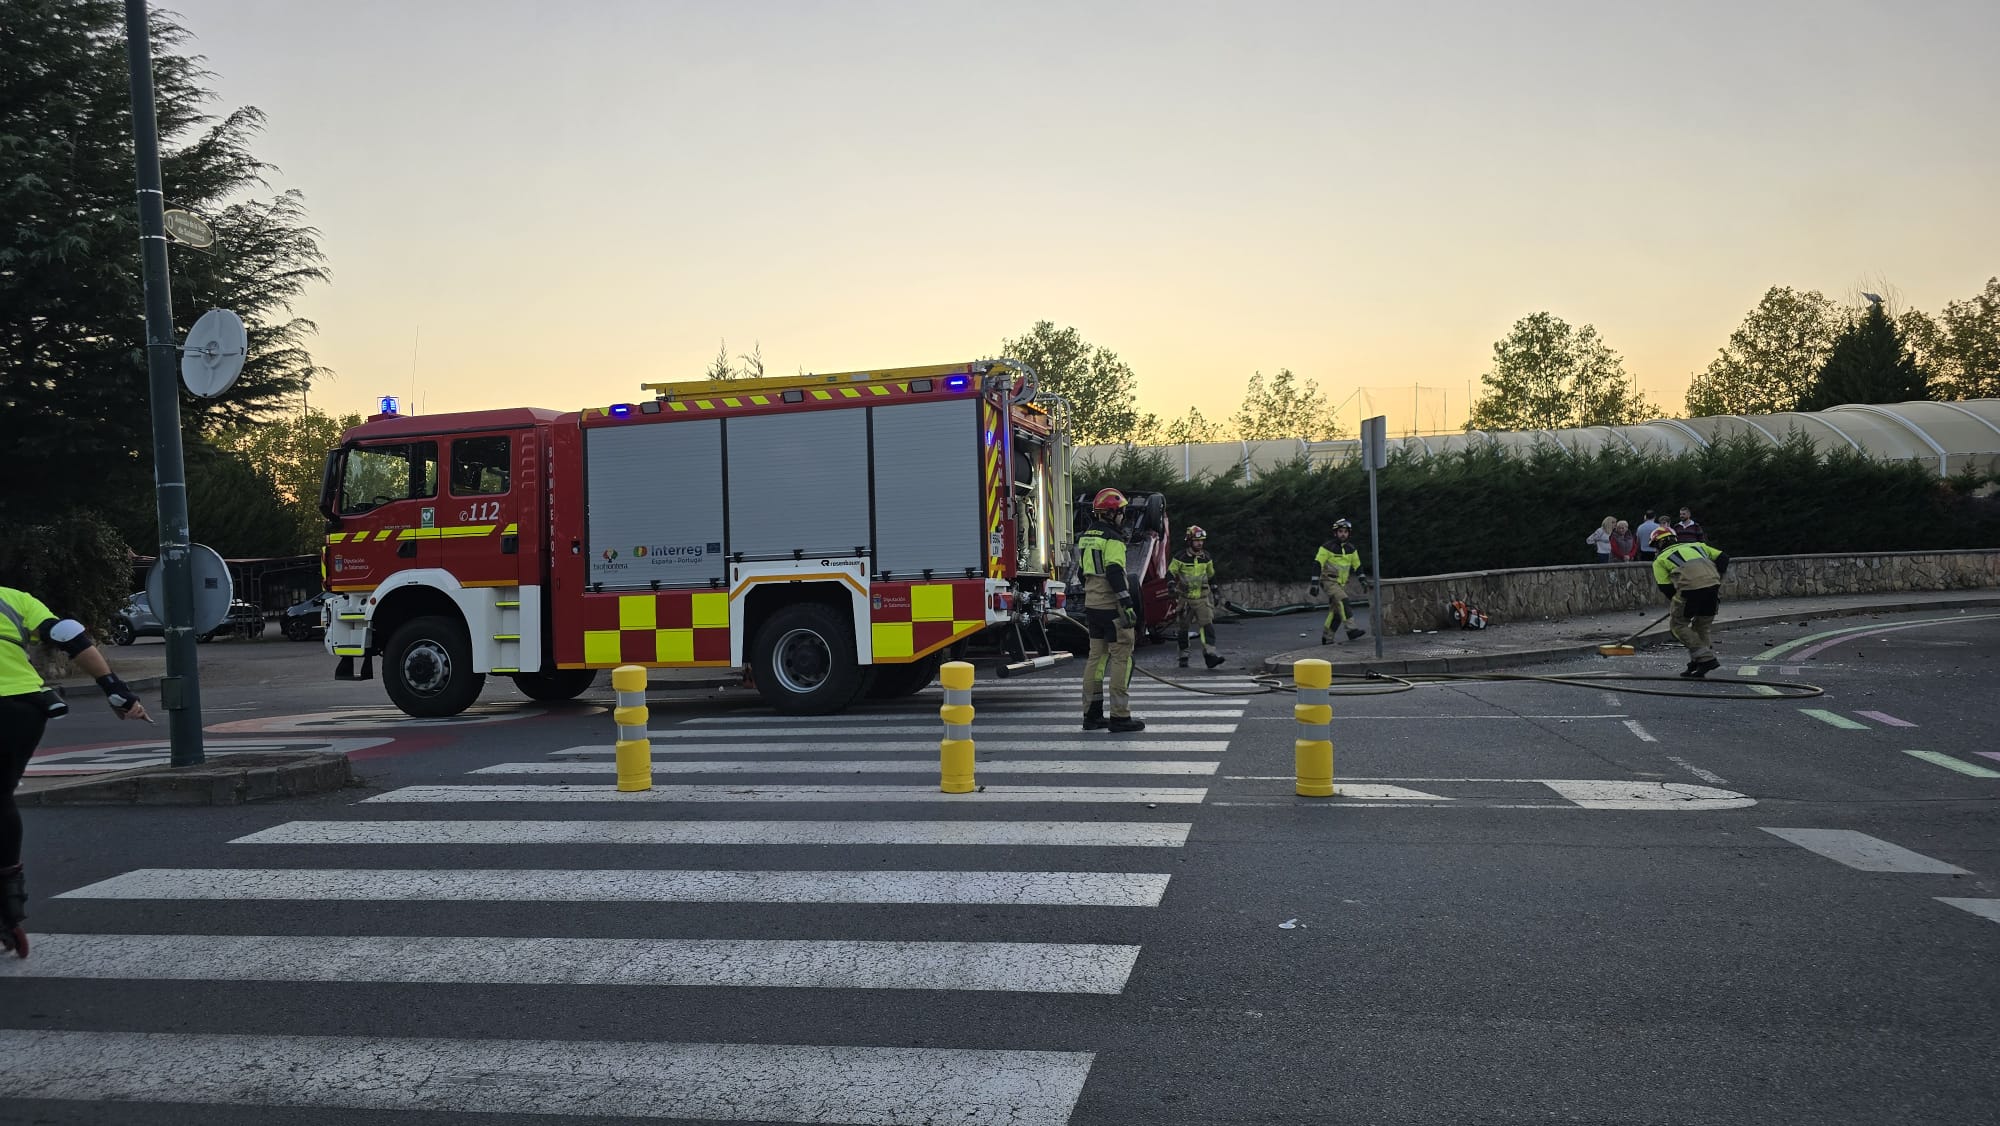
{"x": 565, "y": 200}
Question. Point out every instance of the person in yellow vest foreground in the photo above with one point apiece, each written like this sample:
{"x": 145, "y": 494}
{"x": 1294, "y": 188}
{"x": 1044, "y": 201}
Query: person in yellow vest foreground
{"x": 26, "y": 706}
{"x": 1193, "y": 574}
{"x": 1338, "y": 562}
{"x": 1690, "y": 572}
{"x": 1109, "y": 613}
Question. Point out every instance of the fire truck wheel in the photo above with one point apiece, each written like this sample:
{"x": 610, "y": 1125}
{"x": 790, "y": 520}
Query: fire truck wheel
{"x": 804, "y": 660}
{"x": 427, "y": 668}
{"x": 556, "y": 686}
{"x": 893, "y": 682}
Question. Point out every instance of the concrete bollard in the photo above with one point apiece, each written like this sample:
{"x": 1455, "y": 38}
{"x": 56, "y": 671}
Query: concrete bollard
{"x": 634, "y": 749}
{"x": 955, "y": 750}
{"x": 1313, "y": 749}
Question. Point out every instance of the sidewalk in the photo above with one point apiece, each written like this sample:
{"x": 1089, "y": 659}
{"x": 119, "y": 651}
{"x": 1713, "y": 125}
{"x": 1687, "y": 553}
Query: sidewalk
{"x": 1525, "y": 643}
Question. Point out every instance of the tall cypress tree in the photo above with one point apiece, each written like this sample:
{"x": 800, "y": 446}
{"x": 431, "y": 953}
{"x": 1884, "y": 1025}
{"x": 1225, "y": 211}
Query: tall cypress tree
{"x": 74, "y": 427}
{"x": 1869, "y": 364}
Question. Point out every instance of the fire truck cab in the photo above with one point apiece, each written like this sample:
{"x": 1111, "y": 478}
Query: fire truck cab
{"x": 833, "y": 535}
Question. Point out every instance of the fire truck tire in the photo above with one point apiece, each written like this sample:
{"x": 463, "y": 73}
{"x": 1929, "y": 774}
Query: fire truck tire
{"x": 893, "y": 682}
{"x": 557, "y": 686}
{"x": 804, "y": 662}
{"x": 427, "y": 668}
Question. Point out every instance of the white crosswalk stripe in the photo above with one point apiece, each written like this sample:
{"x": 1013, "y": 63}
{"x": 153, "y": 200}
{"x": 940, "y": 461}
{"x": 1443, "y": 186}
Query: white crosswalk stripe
{"x": 1094, "y": 744}
{"x": 755, "y": 873}
{"x": 747, "y": 792}
{"x": 779, "y": 731}
{"x": 866, "y": 766}
{"x": 723, "y": 1082}
{"x": 1056, "y": 834}
{"x": 1071, "y": 889}
{"x": 1019, "y": 967}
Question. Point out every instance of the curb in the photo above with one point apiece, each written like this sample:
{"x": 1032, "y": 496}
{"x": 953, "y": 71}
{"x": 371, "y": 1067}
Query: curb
{"x": 230, "y": 780}
{"x": 1474, "y": 662}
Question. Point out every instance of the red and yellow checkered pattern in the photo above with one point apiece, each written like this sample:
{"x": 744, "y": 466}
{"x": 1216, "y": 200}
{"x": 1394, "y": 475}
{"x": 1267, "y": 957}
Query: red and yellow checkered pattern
{"x": 669, "y": 627}
{"x": 913, "y": 620}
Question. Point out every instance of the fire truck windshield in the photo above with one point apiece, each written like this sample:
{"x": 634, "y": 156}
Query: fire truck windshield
{"x": 377, "y": 475}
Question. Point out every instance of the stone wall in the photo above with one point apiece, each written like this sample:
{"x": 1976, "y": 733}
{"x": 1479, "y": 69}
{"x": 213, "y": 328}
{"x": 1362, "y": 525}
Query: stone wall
{"x": 1535, "y": 593}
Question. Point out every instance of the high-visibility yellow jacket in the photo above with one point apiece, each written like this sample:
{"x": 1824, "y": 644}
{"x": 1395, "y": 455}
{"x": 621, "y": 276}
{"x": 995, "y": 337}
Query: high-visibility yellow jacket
{"x": 17, "y": 673}
{"x": 1337, "y": 561}
{"x": 1193, "y": 574}
{"x": 1103, "y": 550}
{"x": 1688, "y": 566}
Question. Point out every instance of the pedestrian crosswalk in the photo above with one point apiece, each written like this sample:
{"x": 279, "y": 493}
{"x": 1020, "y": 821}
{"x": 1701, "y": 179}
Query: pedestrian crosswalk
{"x": 879, "y": 883}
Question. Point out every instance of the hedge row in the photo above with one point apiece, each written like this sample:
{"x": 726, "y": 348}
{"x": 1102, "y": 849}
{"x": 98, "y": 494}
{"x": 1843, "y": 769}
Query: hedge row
{"x": 1481, "y": 509}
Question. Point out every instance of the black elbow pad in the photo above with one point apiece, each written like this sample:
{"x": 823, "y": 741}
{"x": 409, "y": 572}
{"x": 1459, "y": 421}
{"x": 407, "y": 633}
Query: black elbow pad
{"x": 67, "y": 635}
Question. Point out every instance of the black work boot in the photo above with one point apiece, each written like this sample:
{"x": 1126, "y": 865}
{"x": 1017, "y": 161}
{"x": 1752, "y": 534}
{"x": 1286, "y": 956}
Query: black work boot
{"x": 1127, "y": 723}
{"x": 1703, "y": 667}
{"x": 1355, "y": 634}
{"x": 1093, "y": 717}
{"x": 1184, "y": 658}
{"x": 1212, "y": 659}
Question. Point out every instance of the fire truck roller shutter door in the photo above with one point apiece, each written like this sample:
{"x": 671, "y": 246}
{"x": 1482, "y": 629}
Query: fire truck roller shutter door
{"x": 798, "y": 482}
{"x": 656, "y": 504}
{"x": 927, "y": 495}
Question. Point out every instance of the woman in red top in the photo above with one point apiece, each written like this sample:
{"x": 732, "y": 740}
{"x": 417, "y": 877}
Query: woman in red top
{"x": 1624, "y": 545}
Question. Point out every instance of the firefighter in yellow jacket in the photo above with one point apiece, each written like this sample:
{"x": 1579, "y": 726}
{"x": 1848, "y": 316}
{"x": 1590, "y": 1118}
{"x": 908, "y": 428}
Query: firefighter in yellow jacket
{"x": 1338, "y": 562}
{"x": 1110, "y": 615}
{"x": 1193, "y": 575}
{"x": 1690, "y": 572}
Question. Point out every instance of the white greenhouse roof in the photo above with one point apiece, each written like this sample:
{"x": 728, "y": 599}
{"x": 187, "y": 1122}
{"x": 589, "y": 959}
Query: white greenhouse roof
{"x": 1946, "y": 437}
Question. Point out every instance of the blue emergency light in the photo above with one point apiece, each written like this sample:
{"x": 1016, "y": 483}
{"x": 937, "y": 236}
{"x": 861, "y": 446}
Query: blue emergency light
{"x": 621, "y": 410}
{"x": 957, "y": 382}
{"x": 388, "y": 404}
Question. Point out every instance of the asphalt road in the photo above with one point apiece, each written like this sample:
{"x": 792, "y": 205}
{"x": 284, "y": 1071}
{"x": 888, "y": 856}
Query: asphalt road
{"x": 1532, "y": 903}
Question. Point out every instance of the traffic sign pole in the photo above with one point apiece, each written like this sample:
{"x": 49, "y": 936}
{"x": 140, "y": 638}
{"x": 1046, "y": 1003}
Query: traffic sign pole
{"x": 1375, "y": 454}
{"x": 180, "y": 689}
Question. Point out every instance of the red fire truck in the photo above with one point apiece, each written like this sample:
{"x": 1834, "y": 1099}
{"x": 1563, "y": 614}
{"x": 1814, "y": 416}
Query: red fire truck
{"x": 833, "y": 535}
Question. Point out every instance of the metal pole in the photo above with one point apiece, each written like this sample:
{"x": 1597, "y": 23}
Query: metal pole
{"x": 1375, "y": 549}
{"x": 180, "y": 689}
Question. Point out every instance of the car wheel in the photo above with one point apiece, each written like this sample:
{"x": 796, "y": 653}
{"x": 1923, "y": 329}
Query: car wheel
{"x": 427, "y": 668}
{"x": 804, "y": 662}
{"x": 555, "y": 686}
{"x": 297, "y": 629}
{"x": 121, "y": 632}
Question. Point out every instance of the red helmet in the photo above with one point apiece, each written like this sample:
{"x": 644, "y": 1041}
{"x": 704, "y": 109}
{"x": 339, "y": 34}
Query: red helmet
{"x": 1109, "y": 502}
{"x": 1663, "y": 534}
{"x": 1196, "y": 532}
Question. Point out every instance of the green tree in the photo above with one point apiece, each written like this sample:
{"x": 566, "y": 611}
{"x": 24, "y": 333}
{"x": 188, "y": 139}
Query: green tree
{"x": 1869, "y": 363}
{"x": 1960, "y": 348}
{"x": 1772, "y": 358}
{"x": 1547, "y": 375}
{"x": 290, "y": 454}
{"x": 72, "y": 365}
{"x": 1100, "y": 388}
{"x": 1286, "y": 407}
{"x": 753, "y": 362}
{"x": 1194, "y": 427}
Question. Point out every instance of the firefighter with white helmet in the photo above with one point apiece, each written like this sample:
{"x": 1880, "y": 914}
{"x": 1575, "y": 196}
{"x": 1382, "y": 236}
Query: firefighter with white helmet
{"x": 1338, "y": 561}
{"x": 1193, "y": 575}
{"x": 1110, "y": 615}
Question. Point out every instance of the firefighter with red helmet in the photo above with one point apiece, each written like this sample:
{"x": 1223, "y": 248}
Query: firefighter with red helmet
{"x": 1110, "y": 616}
{"x": 1193, "y": 575}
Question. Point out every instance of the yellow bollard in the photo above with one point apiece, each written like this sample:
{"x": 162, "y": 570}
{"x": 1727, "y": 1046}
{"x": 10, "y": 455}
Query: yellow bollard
{"x": 955, "y": 749}
{"x": 634, "y": 750}
{"x": 1313, "y": 749}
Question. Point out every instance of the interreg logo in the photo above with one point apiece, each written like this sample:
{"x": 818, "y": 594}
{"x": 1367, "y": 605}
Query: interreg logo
{"x": 639, "y": 552}
{"x": 677, "y": 552}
